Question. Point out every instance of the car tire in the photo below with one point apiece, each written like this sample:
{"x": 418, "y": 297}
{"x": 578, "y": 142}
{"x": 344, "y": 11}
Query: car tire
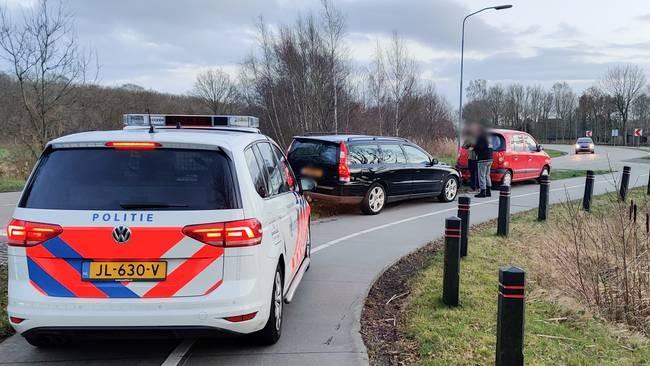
{"x": 449, "y": 189}
{"x": 506, "y": 180}
{"x": 308, "y": 246}
{"x": 272, "y": 331}
{"x": 374, "y": 200}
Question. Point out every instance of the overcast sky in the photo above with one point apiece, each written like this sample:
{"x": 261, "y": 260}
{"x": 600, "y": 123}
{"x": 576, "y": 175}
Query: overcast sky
{"x": 162, "y": 44}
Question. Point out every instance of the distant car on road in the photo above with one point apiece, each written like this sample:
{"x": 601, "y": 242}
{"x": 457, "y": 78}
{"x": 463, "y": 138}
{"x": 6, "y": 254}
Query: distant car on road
{"x": 167, "y": 230}
{"x": 517, "y": 157}
{"x": 585, "y": 144}
{"x": 371, "y": 171}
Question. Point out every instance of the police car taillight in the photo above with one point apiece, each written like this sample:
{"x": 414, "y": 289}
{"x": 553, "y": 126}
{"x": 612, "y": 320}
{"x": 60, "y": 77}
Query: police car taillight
{"x": 22, "y": 233}
{"x": 240, "y": 233}
{"x": 133, "y": 145}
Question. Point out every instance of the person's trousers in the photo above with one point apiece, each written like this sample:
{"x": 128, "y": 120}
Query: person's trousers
{"x": 473, "y": 174}
{"x": 484, "y": 174}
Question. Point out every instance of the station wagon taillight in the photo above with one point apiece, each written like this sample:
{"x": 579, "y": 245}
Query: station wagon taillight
{"x": 344, "y": 169}
{"x": 230, "y": 234}
{"x": 21, "y": 233}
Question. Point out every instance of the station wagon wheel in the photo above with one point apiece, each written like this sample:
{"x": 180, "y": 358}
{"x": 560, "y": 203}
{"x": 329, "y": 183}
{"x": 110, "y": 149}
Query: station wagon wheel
{"x": 374, "y": 200}
{"x": 449, "y": 189}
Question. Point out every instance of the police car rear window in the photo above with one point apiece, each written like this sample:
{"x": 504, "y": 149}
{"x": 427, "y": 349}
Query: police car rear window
{"x": 107, "y": 179}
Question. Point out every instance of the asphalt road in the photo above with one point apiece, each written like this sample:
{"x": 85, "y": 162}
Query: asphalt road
{"x": 349, "y": 252}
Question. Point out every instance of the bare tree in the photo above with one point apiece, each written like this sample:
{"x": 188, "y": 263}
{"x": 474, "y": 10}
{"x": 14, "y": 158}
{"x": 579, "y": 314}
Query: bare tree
{"x": 564, "y": 106}
{"x": 495, "y": 100}
{"x": 401, "y": 76}
{"x": 624, "y": 84}
{"x": 49, "y": 67}
{"x": 217, "y": 90}
{"x": 377, "y": 84}
{"x": 334, "y": 29}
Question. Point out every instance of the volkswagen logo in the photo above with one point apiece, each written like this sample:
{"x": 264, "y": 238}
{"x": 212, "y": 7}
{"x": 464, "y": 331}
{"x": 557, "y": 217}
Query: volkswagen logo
{"x": 121, "y": 234}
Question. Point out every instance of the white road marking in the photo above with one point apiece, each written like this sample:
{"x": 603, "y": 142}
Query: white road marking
{"x": 7, "y": 205}
{"x": 413, "y": 218}
{"x": 176, "y": 357}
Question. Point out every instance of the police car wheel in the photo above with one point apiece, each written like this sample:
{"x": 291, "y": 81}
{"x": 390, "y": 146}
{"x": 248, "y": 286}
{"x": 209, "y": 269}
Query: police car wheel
{"x": 45, "y": 340}
{"x": 308, "y": 246}
{"x": 271, "y": 332}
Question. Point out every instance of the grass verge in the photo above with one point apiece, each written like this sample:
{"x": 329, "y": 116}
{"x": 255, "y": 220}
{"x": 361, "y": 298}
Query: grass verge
{"x": 451, "y": 160}
{"x": 557, "y": 174}
{"x": 8, "y": 184}
{"x": 406, "y": 322}
{"x": 5, "y": 328}
{"x": 11, "y": 185}
{"x": 554, "y": 153}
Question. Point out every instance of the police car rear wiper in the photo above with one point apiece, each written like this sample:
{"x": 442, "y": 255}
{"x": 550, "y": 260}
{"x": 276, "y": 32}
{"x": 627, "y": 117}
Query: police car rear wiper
{"x": 145, "y": 205}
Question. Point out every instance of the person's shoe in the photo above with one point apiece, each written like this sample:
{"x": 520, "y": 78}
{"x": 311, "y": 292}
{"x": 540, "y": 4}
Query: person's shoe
{"x": 481, "y": 195}
{"x": 488, "y": 192}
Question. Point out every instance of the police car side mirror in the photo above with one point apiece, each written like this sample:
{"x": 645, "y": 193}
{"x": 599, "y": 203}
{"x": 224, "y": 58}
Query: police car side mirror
{"x": 307, "y": 184}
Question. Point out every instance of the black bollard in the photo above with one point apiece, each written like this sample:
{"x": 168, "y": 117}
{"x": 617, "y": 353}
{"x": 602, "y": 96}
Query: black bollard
{"x": 634, "y": 215}
{"x": 648, "y": 190}
{"x": 625, "y": 181}
{"x": 503, "y": 224}
{"x": 463, "y": 213}
{"x": 451, "y": 270}
{"x": 544, "y": 187}
{"x": 589, "y": 191}
{"x": 510, "y": 316}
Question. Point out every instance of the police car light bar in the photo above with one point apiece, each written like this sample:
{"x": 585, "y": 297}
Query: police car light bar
{"x": 189, "y": 120}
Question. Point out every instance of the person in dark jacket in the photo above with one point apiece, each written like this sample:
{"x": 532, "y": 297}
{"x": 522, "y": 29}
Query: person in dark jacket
{"x": 472, "y": 166}
{"x": 483, "y": 150}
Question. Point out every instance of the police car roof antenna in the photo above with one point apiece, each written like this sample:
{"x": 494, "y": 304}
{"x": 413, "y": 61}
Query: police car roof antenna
{"x": 151, "y": 129}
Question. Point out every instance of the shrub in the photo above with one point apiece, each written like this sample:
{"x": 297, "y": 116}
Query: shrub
{"x": 603, "y": 259}
{"x": 440, "y": 148}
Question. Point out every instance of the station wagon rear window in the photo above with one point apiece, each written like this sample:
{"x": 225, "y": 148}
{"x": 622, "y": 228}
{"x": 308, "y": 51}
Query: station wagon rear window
{"x": 315, "y": 152}
{"x": 107, "y": 179}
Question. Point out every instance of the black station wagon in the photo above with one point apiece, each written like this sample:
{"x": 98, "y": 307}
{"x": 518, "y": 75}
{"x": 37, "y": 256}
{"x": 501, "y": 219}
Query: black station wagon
{"x": 370, "y": 171}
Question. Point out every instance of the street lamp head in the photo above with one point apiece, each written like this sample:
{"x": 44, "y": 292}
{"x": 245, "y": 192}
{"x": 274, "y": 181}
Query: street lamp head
{"x": 501, "y": 7}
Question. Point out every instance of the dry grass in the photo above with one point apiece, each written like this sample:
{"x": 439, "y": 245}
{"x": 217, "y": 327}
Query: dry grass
{"x": 561, "y": 328}
{"x": 5, "y": 328}
{"x": 443, "y": 149}
{"x": 602, "y": 258}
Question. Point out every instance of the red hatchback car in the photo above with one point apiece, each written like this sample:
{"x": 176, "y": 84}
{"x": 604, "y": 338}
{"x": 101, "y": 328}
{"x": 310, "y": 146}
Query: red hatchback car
{"x": 517, "y": 157}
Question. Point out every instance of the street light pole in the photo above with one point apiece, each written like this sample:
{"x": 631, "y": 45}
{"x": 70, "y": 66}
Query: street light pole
{"x": 462, "y": 58}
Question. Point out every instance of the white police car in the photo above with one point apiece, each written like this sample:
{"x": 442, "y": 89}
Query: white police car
{"x": 161, "y": 229}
